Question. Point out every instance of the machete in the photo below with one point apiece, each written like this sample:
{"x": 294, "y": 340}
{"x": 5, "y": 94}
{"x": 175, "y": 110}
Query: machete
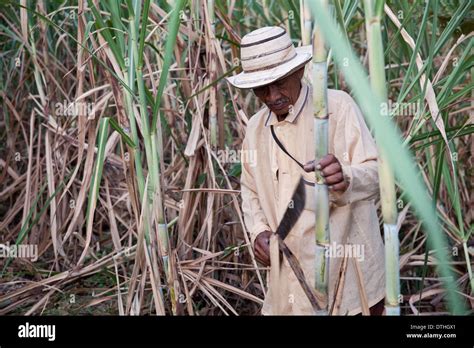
{"x": 294, "y": 210}
{"x": 292, "y": 214}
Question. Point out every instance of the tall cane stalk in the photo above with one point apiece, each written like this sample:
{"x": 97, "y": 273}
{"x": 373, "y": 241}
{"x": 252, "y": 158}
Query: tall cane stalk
{"x": 373, "y": 15}
{"x": 213, "y": 75}
{"x": 320, "y": 110}
{"x": 152, "y": 147}
{"x": 306, "y": 22}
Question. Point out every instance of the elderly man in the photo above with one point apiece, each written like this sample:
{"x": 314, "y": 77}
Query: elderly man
{"x": 281, "y": 135}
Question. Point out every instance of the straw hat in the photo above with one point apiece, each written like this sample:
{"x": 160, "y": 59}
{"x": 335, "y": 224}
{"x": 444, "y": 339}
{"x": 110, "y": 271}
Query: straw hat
{"x": 267, "y": 54}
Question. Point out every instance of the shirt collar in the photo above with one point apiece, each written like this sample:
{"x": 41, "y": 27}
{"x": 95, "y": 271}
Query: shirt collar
{"x": 272, "y": 118}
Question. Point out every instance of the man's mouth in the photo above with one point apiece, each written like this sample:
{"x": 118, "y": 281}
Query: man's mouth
{"x": 279, "y": 105}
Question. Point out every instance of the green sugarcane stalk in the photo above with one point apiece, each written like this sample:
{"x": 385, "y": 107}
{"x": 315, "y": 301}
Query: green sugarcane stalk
{"x": 373, "y": 15}
{"x": 155, "y": 135}
{"x": 320, "y": 111}
{"x": 129, "y": 78}
{"x": 152, "y": 147}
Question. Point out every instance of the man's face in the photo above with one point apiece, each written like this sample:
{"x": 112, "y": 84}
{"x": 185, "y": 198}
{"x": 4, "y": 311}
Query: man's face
{"x": 281, "y": 94}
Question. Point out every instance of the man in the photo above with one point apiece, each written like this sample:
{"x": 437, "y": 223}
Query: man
{"x": 281, "y": 135}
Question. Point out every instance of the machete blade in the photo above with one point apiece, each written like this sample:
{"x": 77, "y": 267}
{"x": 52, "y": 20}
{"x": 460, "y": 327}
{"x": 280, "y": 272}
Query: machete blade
{"x": 294, "y": 210}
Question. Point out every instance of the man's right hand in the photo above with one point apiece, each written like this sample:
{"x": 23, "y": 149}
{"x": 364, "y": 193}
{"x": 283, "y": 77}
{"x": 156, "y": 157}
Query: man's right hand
{"x": 262, "y": 247}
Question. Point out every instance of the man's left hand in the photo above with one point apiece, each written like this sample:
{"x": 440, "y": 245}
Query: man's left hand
{"x": 331, "y": 170}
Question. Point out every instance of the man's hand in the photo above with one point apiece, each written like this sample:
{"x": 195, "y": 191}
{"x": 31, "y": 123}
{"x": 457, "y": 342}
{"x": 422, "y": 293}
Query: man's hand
{"x": 331, "y": 170}
{"x": 262, "y": 247}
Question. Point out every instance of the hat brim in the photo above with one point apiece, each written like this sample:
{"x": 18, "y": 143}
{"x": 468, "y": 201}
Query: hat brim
{"x": 265, "y": 77}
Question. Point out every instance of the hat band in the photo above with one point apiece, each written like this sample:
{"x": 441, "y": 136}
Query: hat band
{"x": 264, "y": 40}
{"x": 267, "y": 53}
{"x": 271, "y": 66}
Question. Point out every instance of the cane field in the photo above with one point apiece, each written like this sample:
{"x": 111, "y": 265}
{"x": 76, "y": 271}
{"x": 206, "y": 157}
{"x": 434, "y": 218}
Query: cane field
{"x": 120, "y": 149}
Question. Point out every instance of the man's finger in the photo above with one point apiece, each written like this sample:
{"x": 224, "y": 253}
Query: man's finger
{"x": 331, "y": 169}
{"x": 262, "y": 258}
{"x": 258, "y": 255}
{"x": 266, "y": 246}
{"x": 260, "y": 252}
{"x": 309, "y": 166}
{"x": 264, "y": 239}
{"x": 326, "y": 160}
{"x": 262, "y": 247}
{"x": 265, "y": 259}
{"x": 258, "y": 249}
{"x": 342, "y": 186}
{"x": 334, "y": 179}
{"x": 265, "y": 249}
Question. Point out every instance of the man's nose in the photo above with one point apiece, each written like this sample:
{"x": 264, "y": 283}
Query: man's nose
{"x": 273, "y": 93}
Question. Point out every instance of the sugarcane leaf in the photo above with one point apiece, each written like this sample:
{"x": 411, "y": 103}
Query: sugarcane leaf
{"x": 114, "y": 124}
{"x": 173, "y": 27}
{"x": 236, "y": 170}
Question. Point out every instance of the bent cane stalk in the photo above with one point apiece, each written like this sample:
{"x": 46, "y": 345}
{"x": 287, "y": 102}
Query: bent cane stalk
{"x": 320, "y": 111}
{"x": 373, "y": 14}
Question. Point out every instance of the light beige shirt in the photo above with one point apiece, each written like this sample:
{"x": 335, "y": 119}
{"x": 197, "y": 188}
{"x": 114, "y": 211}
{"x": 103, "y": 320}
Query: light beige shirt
{"x": 268, "y": 182}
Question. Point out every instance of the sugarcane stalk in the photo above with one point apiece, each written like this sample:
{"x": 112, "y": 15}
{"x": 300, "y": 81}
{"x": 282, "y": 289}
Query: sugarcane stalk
{"x": 212, "y": 75}
{"x": 129, "y": 78}
{"x": 152, "y": 150}
{"x": 373, "y": 15}
{"x": 306, "y": 23}
{"x": 320, "y": 111}
{"x": 306, "y": 26}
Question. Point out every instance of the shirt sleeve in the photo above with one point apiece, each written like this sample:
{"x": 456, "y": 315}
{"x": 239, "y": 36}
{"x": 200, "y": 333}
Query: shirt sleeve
{"x": 358, "y": 160}
{"x": 254, "y": 217}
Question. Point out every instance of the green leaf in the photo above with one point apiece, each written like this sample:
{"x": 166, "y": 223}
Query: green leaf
{"x": 114, "y": 124}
